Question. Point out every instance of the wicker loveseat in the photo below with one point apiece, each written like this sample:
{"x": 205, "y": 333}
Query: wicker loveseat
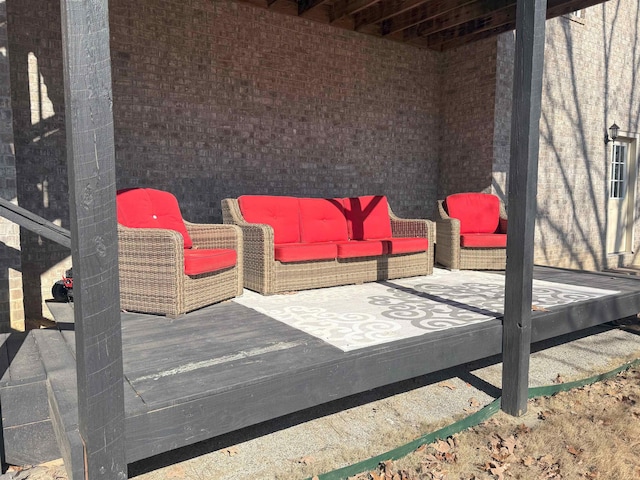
{"x": 170, "y": 266}
{"x": 301, "y": 243}
{"x": 471, "y": 233}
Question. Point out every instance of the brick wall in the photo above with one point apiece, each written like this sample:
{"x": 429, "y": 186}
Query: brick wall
{"x": 217, "y": 99}
{"x": 11, "y": 309}
{"x": 37, "y": 94}
{"x": 590, "y": 80}
{"x": 220, "y": 99}
{"x": 467, "y": 91}
{"x": 502, "y": 114}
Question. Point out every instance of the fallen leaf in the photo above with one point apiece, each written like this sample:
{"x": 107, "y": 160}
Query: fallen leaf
{"x": 498, "y": 470}
{"x": 448, "y": 385}
{"x": 231, "y": 451}
{"x": 573, "y": 450}
{"x": 559, "y": 379}
{"x": 473, "y": 402}
{"x": 528, "y": 461}
{"x": 510, "y": 443}
{"x": 441, "y": 446}
{"x": 544, "y": 415}
{"x": 537, "y": 308}
{"x": 546, "y": 459}
{"x": 307, "y": 460}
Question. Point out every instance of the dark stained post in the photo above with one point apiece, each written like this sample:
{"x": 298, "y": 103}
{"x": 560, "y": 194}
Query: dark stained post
{"x": 94, "y": 243}
{"x": 523, "y": 178}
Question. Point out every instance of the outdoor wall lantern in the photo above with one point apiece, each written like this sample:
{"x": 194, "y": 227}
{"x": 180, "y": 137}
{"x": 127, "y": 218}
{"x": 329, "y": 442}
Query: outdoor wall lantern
{"x": 613, "y": 131}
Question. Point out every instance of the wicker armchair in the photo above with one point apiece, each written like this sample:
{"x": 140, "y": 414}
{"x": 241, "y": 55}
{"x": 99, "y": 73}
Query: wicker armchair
{"x": 157, "y": 273}
{"x": 471, "y": 232}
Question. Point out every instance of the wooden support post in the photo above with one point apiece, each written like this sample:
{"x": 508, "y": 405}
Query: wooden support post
{"x": 523, "y": 178}
{"x": 94, "y": 242}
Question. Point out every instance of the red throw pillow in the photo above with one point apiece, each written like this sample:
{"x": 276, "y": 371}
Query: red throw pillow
{"x": 279, "y": 212}
{"x": 368, "y": 217}
{"x": 477, "y": 212}
{"x": 149, "y": 208}
{"x": 322, "y": 220}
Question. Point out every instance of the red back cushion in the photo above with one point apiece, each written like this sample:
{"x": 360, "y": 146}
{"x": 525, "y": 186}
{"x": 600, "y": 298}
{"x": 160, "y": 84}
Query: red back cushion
{"x": 477, "y": 212}
{"x": 322, "y": 220}
{"x": 149, "y": 208}
{"x": 279, "y": 212}
{"x": 368, "y": 217}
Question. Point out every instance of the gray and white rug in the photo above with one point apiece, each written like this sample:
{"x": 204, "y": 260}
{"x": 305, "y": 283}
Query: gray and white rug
{"x": 357, "y": 316}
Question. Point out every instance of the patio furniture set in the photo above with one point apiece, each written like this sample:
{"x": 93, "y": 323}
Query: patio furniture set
{"x": 278, "y": 244}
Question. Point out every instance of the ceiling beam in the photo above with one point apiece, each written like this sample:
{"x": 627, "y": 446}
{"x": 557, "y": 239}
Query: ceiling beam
{"x": 556, "y": 8}
{"x": 420, "y": 14}
{"x": 435, "y": 24}
{"x": 465, "y": 14}
{"x": 383, "y": 10}
{"x": 495, "y": 22}
{"x": 305, "y": 6}
{"x": 441, "y": 45}
{"x": 342, "y": 8}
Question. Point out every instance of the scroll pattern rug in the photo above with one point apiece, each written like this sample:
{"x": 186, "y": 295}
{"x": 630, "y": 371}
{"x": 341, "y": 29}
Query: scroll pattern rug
{"x": 357, "y": 316}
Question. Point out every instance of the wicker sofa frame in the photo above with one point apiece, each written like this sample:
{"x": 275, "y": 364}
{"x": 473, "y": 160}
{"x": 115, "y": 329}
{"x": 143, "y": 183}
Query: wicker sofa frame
{"x": 450, "y": 254}
{"x": 152, "y": 278}
{"x": 264, "y": 274}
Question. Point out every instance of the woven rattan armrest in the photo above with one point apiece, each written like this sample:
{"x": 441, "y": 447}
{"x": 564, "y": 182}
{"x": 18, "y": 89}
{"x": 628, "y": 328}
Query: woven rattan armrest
{"x": 446, "y": 227}
{"x": 412, "y": 227}
{"x": 169, "y": 241}
{"x": 148, "y": 248}
{"x": 210, "y": 236}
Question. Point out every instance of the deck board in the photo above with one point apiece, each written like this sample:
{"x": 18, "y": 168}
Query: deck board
{"x": 226, "y": 367}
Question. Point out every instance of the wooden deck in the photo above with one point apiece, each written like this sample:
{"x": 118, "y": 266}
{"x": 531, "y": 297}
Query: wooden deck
{"x": 226, "y": 367}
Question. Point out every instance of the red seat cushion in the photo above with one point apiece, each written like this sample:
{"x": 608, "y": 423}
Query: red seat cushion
{"x": 279, "y": 212}
{"x": 322, "y": 220}
{"x": 477, "y": 212}
{"x": 360, "y": 248}
{"x": 483, "y": 240}
{"x": 149, "y": 208}
{"x": 368, "y": 217}
{"x": 301, "y": 252}
{"x": 394, "y": 246}
{"x": 197, "y": 262}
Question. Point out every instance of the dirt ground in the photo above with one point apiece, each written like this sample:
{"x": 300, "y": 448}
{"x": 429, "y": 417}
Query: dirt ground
{"x": 591, "y": 432}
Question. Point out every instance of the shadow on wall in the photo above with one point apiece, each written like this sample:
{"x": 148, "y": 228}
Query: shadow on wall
{"x": 40, "y": 151}
{"x": 10, "y": 261}
{"x": 573, "y": 183}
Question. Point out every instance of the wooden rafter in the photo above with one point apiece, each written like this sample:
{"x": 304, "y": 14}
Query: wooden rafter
{"x": 305, "y": 6}
{"x": 438, "y": 35}
{"x": 433, "y": 24}
{"x": 383, "y": 10}
{"x": 423, "y": 13}
{"x": 343, "y": 8}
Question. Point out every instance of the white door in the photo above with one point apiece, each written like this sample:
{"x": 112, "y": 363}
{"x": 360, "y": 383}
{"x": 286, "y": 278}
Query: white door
{"x": 620, "y": 203}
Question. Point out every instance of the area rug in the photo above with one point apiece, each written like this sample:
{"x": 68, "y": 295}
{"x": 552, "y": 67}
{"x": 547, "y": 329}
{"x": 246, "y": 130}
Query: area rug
{"x": 357, "y": 316}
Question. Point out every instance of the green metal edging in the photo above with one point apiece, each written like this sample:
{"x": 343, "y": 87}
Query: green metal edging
{"x": 471, "y": 421}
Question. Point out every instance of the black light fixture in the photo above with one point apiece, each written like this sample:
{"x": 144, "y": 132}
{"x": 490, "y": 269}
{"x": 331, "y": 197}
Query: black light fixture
{"x": 613, "y": 131}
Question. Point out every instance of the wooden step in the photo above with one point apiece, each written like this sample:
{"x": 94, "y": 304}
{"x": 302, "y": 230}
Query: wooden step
{"x": 28, "y": 433}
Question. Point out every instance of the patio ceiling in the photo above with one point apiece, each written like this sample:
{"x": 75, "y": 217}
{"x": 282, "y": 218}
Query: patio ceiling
{"x": 434, "y": 24}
